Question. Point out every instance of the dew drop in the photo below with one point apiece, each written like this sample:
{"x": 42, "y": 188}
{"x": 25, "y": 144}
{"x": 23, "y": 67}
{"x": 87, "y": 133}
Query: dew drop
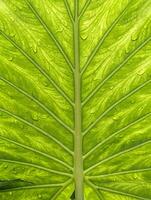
{"x": 92, "y": 111}
{"x": 22, "y": 126}
{"x": 127, "y": 50}
{"x": 132, "y": 101}
{"x": 39, "y": 196}
{"x": 134, "y": 37}
{"x": 33, "y": 94}
{"x": 12, "y": 34}
{"x": 14, "y": 171}
{"x": 141, "y": 72}
{"x": 84, "y": 37}
{"x": 10, "y": 59}
{"x": 12, "y": 19}
{"x": 6, "y": 166}
{"x": 20, "y": 8}
{"x": 10, "y": 193}
{"x": 115, "y": 118}
{"x": 35, "y": 116}
{"x": 46, "y": 83}
{"x": 111, "y": 88}
{"x": 35, "y": 50}
{"x": 60, "y": 30}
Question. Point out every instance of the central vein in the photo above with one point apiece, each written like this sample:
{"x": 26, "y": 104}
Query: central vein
{"x": 78, "y": 160}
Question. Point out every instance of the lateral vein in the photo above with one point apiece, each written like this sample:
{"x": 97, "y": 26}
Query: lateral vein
{"x": 119, "y": 173}
{"x": 116, "y": 155}
{"x": 99, "y": 44}
{"x": 87, "y": 3}
{"x": 116, "y": 133}
{"x": 121, "y": 193}
{"x": 115, "y": 104}
{"x": 95, "y": 189}
{"x": 61, "y": 189}
{"x": 31, "y": 60}
{"x": 39, "y": 130}
{"x": 69, "y": 10}
{"x": 36, "y": 166}
{"x": 36, "y": 151}
{"x": 38, "y": 103}
{"x": 50, "y": 33}
{"x": 133, "y": 53}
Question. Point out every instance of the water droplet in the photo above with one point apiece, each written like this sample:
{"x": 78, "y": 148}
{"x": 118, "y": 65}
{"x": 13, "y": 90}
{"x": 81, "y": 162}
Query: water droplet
{"x": 10, "y": 59}
{"x": 127, "y": 50}
{"x": 10, "y": 193}
{"x": 60, "y": 30}
{"x": 92, "y": 111}
{"x": 35, "y": 50}
{"x": 6, "y": 166}
{"x": 115, "y": 118}
{"x": 132, "y": 101}
{"x": 35, "y": 116}
{"x": 12, "y": 19}
{"x": 14, "y": 171}
{"x": 114, "y": 179}
{"x": 12, "y": 34}
{"x": 84, "y": 37}
{"x": 39, "y": 196}
{"x": 48, "y": 11}
{"x": 134, "y": 36}
{"x": 141, "y": 72}
{"x": 20, "y": 8}
{"x": 22, "y": 126}
{"x": 46, "y": 83}
{"x": 111, "y": 88}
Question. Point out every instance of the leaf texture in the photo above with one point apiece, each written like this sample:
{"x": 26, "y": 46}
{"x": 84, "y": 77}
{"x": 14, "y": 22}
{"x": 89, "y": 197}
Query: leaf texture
{"x": 75, "y": 99}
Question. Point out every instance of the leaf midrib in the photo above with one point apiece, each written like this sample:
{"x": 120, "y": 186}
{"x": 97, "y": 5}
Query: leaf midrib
{"x": 78, "y": 147}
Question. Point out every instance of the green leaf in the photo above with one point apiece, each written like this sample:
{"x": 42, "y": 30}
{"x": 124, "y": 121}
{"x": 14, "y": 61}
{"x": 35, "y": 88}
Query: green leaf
{"x": 75, "y": 99}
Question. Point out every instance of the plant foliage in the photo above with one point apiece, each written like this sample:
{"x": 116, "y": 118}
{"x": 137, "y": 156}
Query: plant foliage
{"x": 75, "y": 99}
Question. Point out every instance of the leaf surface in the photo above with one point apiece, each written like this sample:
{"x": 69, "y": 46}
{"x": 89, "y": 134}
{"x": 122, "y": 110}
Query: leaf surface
{"x": 75, "y": 99}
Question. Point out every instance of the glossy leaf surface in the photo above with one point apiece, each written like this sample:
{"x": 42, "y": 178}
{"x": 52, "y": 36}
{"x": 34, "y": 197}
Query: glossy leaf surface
{"x": 75, "y": 99}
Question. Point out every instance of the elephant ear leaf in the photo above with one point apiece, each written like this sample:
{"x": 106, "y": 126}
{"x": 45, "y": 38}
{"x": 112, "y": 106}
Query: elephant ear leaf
{"x": 75, "y": 99}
